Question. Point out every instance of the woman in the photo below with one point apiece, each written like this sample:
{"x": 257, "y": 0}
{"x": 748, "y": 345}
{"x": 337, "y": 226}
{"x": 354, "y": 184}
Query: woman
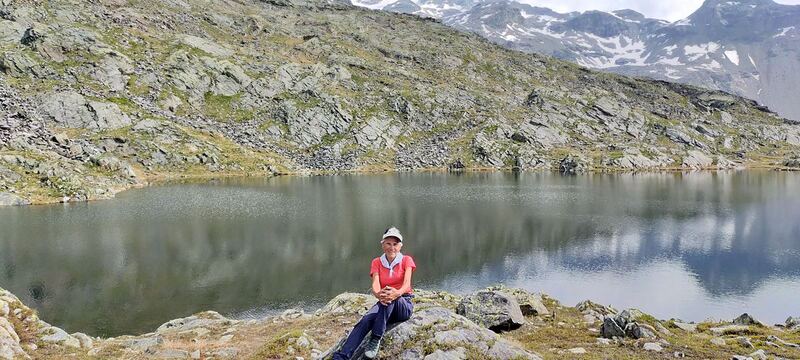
{"x": 391, "y": 285}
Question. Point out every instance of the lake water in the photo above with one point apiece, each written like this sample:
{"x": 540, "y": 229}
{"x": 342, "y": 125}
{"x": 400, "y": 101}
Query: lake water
{"x": 691, "y": 246}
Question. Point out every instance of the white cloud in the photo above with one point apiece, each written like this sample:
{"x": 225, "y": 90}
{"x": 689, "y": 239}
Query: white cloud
{"x": 668, "y": 10}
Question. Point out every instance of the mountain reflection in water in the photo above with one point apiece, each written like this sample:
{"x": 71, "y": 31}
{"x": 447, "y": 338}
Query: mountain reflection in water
{"x": 676, "y": 245}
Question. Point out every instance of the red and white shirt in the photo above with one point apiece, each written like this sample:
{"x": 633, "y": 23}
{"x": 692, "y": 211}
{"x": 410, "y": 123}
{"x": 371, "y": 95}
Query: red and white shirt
{"x": 398, "y": 272}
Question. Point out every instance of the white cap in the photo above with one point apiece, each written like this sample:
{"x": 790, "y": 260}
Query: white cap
{"x": 392, "y": 232}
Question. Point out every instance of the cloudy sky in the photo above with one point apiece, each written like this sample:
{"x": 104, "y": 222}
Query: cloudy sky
{"x": 671, "y": 10}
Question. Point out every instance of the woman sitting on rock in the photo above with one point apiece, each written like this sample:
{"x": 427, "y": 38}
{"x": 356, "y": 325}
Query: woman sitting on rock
{"x": 391, "y": 284}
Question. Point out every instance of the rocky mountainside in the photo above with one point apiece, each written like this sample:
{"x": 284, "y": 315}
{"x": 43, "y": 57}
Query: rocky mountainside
{"x": 101, "y": 96}
{"x": 750, "y": 48}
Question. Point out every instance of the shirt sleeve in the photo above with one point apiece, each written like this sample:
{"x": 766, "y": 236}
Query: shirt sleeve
{"x": 375, "y": 267}
{"x": 409, "y": 262}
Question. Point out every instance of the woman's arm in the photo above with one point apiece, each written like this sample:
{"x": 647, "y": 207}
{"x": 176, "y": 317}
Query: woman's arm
{"x": 376, "y": 285}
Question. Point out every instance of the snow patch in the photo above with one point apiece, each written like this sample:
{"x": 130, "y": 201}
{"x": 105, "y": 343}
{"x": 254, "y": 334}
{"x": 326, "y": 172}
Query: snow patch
{"x": 733, "y": 56}
{"x": 784, "y": 31}
{"x": 695, "y": 52}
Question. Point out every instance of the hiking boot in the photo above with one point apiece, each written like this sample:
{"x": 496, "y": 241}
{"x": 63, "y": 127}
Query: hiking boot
{"x": 372, "y": 347}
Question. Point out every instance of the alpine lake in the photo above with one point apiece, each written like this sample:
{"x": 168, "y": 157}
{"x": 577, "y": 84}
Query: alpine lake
{"x": 692, "y": 245}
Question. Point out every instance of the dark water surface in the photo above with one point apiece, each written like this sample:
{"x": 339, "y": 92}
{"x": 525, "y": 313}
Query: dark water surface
{"x": 690, "y": 246}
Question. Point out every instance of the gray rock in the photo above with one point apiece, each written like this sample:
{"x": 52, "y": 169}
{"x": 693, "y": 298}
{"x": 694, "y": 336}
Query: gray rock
{"x": 639, "y": 331}
{"x": 347, "y": 303}
{"x": 206, "y": 45}
{"x": 651, "y": 346}
{"x": 746, "y": 320}
{"x": 692, "y": 328}
{"x": 7, "y": 199}
{"x": 495, "y": 310}
{"x": 729, "y": 329}
{"x": 573, "y": 164}
{"x": 718, "y": 341}
{"x": 9, "y": 342}
{"x": 530, "y": 304}
{"x": 697, "y": 160}
{"x": 437, "y": 328}
{"x": 70, "y": 109}
{"x": 171, "y": 354}
{"x": 611, "y": 328}
{"x": 759, "y": 355}
{"x": 745, "y": 342}
{"x": 203, "y": 319}
{"x": 792, "y": 323}
{"x": 143, "y": 344}
{"x": 57, "y": 336}
{"x": 85, "y": 340}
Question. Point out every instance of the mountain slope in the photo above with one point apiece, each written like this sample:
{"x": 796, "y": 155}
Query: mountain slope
{"x": 125, "y": 92}
{"x": 750, "y": 48}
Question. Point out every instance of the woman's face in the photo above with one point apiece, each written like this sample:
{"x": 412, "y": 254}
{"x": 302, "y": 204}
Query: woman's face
{"x": 391, "y": 246}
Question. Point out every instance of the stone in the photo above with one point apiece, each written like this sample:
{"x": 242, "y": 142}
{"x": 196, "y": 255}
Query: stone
{"x": 759, "y": 355}
{"x": 290, "y": 314}
{"x": 729, "y": 329}
{"x": 778, "y": 340}
{"x": 691, "y": 328}
{"x": 577, "y": 351}
{"x": 718, "y": 341}
{"x": 171, "y": 354}
{"x": 740, "y": 357}
{"x": 745, "y": 342}
{"x": 611, "y": 328}
{"x": 7, "y": 199}
{"x": 639, "y": 331}
{"x": 204, "y": 319}
{"x": 792, "y": 323}
{"x": 746, "y": 320}
{"x": 347, "y": 303}
{"x": 440, "y": 328}
{"x": 495, "y": 310}
{"x": 662, "y": 329}
{"x": 85, "y": 340}
{"x": 651, "y": 346}
{"x": 70, "y": 109}
{"x": 530, "y": 304}
{"x": 573, "y": 164}
{"x": 206, "y": 45}
{"x": 143, "y": 344}
{"x": 55, "y": 335}
{"x": 695, "y": 159}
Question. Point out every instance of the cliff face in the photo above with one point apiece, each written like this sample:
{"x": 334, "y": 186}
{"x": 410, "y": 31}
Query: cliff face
{"x": 102, "y": 96}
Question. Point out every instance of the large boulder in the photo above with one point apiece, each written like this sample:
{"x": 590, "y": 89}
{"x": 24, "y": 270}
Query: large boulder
{"x": 439, "y": 333}
{"x": 495, "y": 310}
{"x": 625, "y": 324}
{"x": 530, "y": 304}
{"x": 347, "y": 303}
{"x": 72, "y": 110}
{"x": 793, "y": 323}
{"x": 7, "y": 199}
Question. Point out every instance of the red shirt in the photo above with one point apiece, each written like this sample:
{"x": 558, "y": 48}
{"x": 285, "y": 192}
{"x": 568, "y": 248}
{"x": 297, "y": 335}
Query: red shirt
{"x": 396, "y": 280}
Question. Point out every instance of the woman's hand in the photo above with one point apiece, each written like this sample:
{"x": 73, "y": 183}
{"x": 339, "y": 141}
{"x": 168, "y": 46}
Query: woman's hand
{"x": 389, "y": 294}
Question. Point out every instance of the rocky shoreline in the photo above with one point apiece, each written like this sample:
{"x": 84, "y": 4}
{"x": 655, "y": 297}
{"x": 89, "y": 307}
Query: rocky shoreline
{"x": 493, "y": 323}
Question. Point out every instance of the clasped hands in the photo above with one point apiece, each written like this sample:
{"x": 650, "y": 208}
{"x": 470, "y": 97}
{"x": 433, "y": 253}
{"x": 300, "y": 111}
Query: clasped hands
{"x": 388, "y": 294}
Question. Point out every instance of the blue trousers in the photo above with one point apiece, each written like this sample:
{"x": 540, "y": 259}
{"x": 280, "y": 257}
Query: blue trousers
{"x": 375, "y": 320}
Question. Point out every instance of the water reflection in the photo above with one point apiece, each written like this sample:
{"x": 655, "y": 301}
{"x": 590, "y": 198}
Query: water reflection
{"x": 685, "y": 245}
